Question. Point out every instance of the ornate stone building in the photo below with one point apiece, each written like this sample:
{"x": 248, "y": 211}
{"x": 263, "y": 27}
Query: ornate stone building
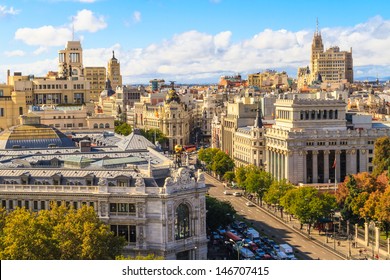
{"x": 171, "y": 117}
{"x": 312, "y": 143}
{"x": 130, "y": 186}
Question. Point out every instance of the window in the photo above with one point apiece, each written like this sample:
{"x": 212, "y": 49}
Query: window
{"x": 182, "y": 222}
{"x": 370, "y": 151}
{"x": 1, "y": 92}
{"x": 11, "y": 204}
{"x": 75, "y": 205}
{"x": 1, "y": 112}
{"x": 27, "y": 204}
{"x": 20, "y": 111}
{"x": 4, "y": 204}
{"x": 95, "y": 125}
{"x": 43, "y": 205}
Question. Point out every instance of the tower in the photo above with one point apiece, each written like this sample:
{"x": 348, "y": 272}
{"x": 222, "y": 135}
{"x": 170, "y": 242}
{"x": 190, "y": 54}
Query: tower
{"x": 317, "y": 48}
{"x": 70, "y": 61}
{"x": 114, "y": 72}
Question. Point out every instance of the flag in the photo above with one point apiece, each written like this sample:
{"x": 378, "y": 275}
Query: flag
{"x": 334, "y": 164}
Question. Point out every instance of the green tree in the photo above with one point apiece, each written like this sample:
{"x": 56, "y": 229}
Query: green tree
{"x": 381, "y": 159}
{"x": 241, "y": 173}
{"x": 123, "y": 129}
{"x": 153, "y": 135}
{"x": 148, "y": 257}
{"x": 219, "y": 213}
{"x": 229, "y": 176}
{"x": 276, "y": 191}
{"x": 59, "y": 233}
{"x": 257, "y": 181}
{"x": 222, "y": 163}
{"x": 308, "y": 205}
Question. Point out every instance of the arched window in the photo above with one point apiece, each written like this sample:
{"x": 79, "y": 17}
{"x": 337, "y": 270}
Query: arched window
{"x": 107, "y": 125}
{"x": 182, "y": 222}
{"x": 313, "y": 115}
{"x": 336, "y": 115}
{"x": 330, "y": 114}
{"x": 301, "y": 113}
{"x": 101, "y": 125}
{"x": 95, "y": 125}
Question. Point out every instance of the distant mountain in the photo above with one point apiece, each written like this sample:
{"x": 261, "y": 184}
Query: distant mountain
{"x": 372, "y": 78}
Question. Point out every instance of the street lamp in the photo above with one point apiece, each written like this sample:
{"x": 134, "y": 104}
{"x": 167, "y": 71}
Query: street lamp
{"x": 238, "y": 246}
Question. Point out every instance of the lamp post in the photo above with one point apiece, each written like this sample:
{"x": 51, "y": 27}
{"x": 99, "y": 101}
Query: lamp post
{"x": 238, "y": 247}
{"x": 334, "y": 229}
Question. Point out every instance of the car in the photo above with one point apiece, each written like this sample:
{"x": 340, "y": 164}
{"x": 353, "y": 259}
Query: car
{"x": 227, "y": 193}
{"x": 249, "y": 204}
{"x": 237, "y": 194}
{"x": 260, "y": 252}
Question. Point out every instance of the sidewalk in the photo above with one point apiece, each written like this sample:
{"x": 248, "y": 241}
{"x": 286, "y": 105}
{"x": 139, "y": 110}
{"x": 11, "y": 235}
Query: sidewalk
{"x": 347, "y": 249}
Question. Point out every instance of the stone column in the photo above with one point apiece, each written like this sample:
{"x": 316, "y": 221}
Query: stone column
{"x": 326, "y": 166}
{"x": 315, "y": 166}
{"x": 366, "y": 234}
{"x": 377, "y": 235}
{"x": 353, "y": 162}
{"x": 337, "y": 154}
{"x": 363, "y": 160}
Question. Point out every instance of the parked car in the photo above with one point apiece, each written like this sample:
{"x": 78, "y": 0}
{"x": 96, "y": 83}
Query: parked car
{"x": 237, "y": 194}
{"x": 227, "y": 193}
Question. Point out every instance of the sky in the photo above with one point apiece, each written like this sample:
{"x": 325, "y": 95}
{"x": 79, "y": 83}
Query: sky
{"x": 192, "y": 41}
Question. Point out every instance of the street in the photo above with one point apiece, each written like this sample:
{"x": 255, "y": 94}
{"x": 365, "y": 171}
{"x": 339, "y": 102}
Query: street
{"x": 269, "y": 226}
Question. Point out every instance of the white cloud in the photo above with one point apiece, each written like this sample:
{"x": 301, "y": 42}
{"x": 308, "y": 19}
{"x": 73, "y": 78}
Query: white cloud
{"x": 15, "y": 53}
{"x": 86, "y": 20}
{"x": 4, "y": 11}
{"x": 136, "y": 16}
{"x": 87, "y": 1}
{"x": 196, "y": 56}
{"x": 40, "y": 50}
{"x": 44, "y": 36}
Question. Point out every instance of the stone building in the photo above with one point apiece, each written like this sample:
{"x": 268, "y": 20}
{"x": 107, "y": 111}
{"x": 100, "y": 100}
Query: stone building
{"x": 312, "y": 142}
{"x": 130, "y": 186}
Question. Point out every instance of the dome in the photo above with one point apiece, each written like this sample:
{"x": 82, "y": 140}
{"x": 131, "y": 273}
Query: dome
{"x": 34, "y": 136}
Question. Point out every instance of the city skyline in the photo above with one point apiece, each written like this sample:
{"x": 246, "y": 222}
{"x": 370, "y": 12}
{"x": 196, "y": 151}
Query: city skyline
{"x": 191, "y": 41}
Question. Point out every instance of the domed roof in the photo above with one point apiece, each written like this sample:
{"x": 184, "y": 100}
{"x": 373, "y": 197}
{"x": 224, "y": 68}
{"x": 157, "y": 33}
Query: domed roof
{"x": 33, "y": 136}
{"x": 172, "y": 95}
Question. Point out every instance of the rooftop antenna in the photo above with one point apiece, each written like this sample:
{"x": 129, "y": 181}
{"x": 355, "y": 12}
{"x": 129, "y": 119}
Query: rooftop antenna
{"x": 72, "y": 28}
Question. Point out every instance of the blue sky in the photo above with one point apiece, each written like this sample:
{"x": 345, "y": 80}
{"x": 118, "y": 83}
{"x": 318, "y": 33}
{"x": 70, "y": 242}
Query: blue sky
{"x": 192, "y": 41}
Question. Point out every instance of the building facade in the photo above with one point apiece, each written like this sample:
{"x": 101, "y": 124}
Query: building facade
{"x": 312, "y": 143}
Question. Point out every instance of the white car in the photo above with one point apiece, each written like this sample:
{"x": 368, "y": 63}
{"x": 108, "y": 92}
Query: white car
{"x": 249, "y": 204}
{"x": 227, "y": 193}
{"x": 237, "y": 194}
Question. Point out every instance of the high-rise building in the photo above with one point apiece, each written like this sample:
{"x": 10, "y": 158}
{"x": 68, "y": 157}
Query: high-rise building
{"x": 330, "y": 66}
{"x": 114, "y": 72}
{"x": 97, "y": 78}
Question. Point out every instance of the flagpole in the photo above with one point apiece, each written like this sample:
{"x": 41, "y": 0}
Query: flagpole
{"x": 335, "y": 175}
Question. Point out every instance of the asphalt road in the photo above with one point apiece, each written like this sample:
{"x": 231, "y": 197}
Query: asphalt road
{"x": 270, "y": 226}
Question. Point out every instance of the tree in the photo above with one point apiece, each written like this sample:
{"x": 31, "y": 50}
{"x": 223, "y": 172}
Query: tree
{"x": 59, "y": 233}
{"x": 381, "y": 159}
{"x": 258, "y": 181}
{"x": 123, "y": 129}
{"x": 240, "y": 173}
{"x": 276, "y": 191}
{"x": 221, "y": 163}
{"x": 229, "y": 176}
{"x": 219, "y": 213}
{"x": 308, "y": 205}
{"x": 382, "y": 211}
{"x": 149, "y": 257}
{"x": 154, "y": 135}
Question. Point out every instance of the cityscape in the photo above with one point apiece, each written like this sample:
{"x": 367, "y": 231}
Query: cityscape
{"x": 205, "y": 145}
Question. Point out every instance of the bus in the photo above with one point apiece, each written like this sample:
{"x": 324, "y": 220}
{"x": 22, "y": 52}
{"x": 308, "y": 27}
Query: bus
{"x": 230, "y": 235}
{"x": 189, "y": 148}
